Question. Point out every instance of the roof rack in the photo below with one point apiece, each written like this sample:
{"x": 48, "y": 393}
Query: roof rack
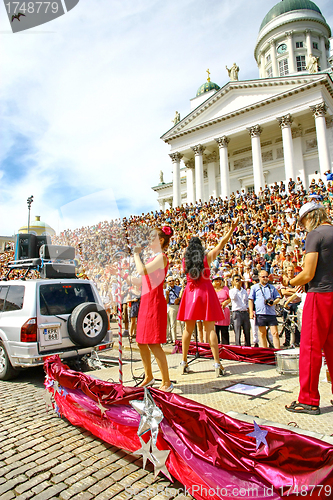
{"x": 54, "y": 268}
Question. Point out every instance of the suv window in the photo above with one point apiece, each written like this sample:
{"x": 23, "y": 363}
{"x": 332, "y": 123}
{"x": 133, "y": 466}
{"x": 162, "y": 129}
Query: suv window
{"x": 3, "y": 293}
{"x": 60, "y": 298}
{"x": 14, "y": 299}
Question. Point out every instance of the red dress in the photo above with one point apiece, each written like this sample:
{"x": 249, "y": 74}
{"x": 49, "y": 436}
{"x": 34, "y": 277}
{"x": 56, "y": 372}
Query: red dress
{"x": 152, "y": 318}
{"x": 199, "y": 300}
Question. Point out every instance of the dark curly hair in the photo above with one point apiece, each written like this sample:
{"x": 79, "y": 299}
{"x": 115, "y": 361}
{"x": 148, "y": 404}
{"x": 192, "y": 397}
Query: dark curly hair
{"x": 194, "y": 257}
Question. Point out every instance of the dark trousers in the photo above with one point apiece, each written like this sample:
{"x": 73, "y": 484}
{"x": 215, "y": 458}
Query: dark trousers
{"x": 222, "y": 333}
{"x": 242, "y": 319}
{"x": 293, "y": 310}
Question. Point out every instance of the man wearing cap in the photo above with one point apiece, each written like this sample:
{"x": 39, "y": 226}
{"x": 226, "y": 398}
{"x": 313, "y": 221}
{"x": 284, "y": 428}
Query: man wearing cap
{"x": 317, "y": 330}
{"x": 172, "y": 296}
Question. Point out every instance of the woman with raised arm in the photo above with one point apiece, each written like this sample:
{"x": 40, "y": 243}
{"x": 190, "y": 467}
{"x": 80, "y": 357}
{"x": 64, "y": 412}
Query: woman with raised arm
{"x": 152, "y": 319}
{"x": 199, "y": 300}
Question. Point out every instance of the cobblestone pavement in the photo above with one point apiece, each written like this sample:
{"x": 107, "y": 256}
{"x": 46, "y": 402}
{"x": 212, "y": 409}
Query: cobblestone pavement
{"x": 45, "y": 457}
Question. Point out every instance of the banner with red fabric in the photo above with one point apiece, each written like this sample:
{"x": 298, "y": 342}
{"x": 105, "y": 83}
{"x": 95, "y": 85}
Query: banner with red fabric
{"x": 233, "y": 352}
{"x": 213, "y": 455}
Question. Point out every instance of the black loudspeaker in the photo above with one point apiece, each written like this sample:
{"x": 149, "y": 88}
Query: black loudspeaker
{"x": 42, "y": 240}
{"x": 25, "y": 246}
{"x": 57, "y": 252}
{"x": 57, "y": 270}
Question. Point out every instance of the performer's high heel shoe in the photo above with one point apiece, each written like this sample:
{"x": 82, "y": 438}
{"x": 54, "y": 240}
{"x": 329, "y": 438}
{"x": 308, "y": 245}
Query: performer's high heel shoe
{"x": 149, "y": 384}
{"x": 184, "y": 368}
{"x": 219, "y": 370}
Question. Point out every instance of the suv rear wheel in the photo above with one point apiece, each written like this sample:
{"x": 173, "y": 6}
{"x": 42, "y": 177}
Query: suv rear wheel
{"x": 88, "y": 324}
{"x": 7, "y": 372}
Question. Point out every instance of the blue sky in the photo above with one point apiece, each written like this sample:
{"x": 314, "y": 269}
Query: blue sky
{"x": 85, "y": 98}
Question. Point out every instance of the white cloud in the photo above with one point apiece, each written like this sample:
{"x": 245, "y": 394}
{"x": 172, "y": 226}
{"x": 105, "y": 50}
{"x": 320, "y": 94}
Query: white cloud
{"x": 95, "y": 93}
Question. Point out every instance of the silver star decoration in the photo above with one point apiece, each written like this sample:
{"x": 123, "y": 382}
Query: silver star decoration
{"x": 101, "y": 407}
{"x": 48, "y": 382}
{"x": 151, "y": 416}
{"x": 144, "y": 451}
{"x": 159, "y": 458}
{"x": 259, "y": 434}
{"x": 48, "y": 399}
{"x": 63, "y": 391}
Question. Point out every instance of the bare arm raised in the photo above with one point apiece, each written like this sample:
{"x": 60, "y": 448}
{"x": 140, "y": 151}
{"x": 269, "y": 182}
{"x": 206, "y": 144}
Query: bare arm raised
{"x": 214, "y": 253}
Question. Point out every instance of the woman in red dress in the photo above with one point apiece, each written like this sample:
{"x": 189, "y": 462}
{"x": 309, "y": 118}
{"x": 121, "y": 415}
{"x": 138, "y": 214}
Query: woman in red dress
{"x": 152, "y": 319}
{"x": 199, "y": 300}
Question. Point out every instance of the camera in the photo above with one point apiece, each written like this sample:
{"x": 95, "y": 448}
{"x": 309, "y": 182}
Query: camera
{"x": 269, "y": 302}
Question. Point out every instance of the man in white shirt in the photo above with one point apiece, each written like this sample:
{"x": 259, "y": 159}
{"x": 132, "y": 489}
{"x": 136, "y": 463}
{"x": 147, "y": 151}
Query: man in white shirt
{"x": 260, "y": 247}
{"x": 240, "y": 310}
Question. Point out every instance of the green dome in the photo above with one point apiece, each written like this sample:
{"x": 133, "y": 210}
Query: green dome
{"x": 206, "y": 87}
{"x": 287, "y": 6}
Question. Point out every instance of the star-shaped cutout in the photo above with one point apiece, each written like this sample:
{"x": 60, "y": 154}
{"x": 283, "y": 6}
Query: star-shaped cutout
{"x": 151, "y": 415}
{"x": 259, "y": 434}
{"x": 48, "y": 382}
{"x": 212, "y": 451}
{"x": 101, "y": 407}
{"x": 47, "y": 396}
{"x": 158, "y": 459}
{"x": 144, "y": 451}
{"x": 202, "y": 416}
{"x": 56, "y": 409}
{"x": 62, "y": 391}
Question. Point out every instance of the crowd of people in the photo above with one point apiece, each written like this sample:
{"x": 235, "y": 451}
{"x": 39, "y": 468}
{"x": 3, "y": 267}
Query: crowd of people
{"x": 252, "y": 248}
{"x": 267, "y": 238}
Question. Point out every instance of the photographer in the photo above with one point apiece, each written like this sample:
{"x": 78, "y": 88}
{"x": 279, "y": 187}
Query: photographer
{"x": 263, "y": 297}
{"x": 173, "y": 295}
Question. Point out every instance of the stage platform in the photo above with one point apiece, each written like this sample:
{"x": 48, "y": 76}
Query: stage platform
{"x": 202, "y": 386}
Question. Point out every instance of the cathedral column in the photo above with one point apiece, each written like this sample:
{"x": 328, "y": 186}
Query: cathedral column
{"x": 258, "y": 175}
{"x": 291, "y": 61}
{"x": 176, "y": 157}
{"x": 162, "y": 204}
{"x": 308, "y": 44}
{"x": 274, "y": 61}
{"x": 224, "y": 166}
{"x": 262, "y": 65}
{"x": 319, "y": 112}
{"x": 288, "y": 151}
{"x": 298, "y": 154}
{"x": 323, "y": 59}
{"x": 190, "y": 181}
{"x": 199, "y": 178}
{"x": 211, "y": 160}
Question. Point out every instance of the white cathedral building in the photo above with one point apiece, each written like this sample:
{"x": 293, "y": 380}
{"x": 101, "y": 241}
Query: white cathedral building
{"x": 255, "y": 132}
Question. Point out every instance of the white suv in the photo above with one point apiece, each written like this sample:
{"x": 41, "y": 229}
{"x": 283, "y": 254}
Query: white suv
{"x": 42, "y": 317}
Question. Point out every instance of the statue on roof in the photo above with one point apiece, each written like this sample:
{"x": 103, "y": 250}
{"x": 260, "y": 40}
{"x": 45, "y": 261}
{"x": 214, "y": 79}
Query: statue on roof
{"x": 312, "y": 65}
{"x": 161, "y": 177}
{"x": 176, "y": 118}
{"x": 233, "y": 72}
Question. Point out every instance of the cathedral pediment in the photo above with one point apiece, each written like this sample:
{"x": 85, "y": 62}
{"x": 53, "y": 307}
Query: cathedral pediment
{"x": 239, "y": 97}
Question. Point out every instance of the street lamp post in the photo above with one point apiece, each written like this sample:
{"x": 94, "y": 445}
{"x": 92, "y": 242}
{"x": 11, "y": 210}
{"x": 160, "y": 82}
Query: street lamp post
{"x": 29, "y": 201}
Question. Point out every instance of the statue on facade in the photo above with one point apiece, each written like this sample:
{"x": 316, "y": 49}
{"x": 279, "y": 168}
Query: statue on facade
{"x": 233, "y": 72}
{"x": 176, "y": 118}
{"x": 161, "y": 177}
{"x": 330, "y": 60}
{"x": 312, "y": 65}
